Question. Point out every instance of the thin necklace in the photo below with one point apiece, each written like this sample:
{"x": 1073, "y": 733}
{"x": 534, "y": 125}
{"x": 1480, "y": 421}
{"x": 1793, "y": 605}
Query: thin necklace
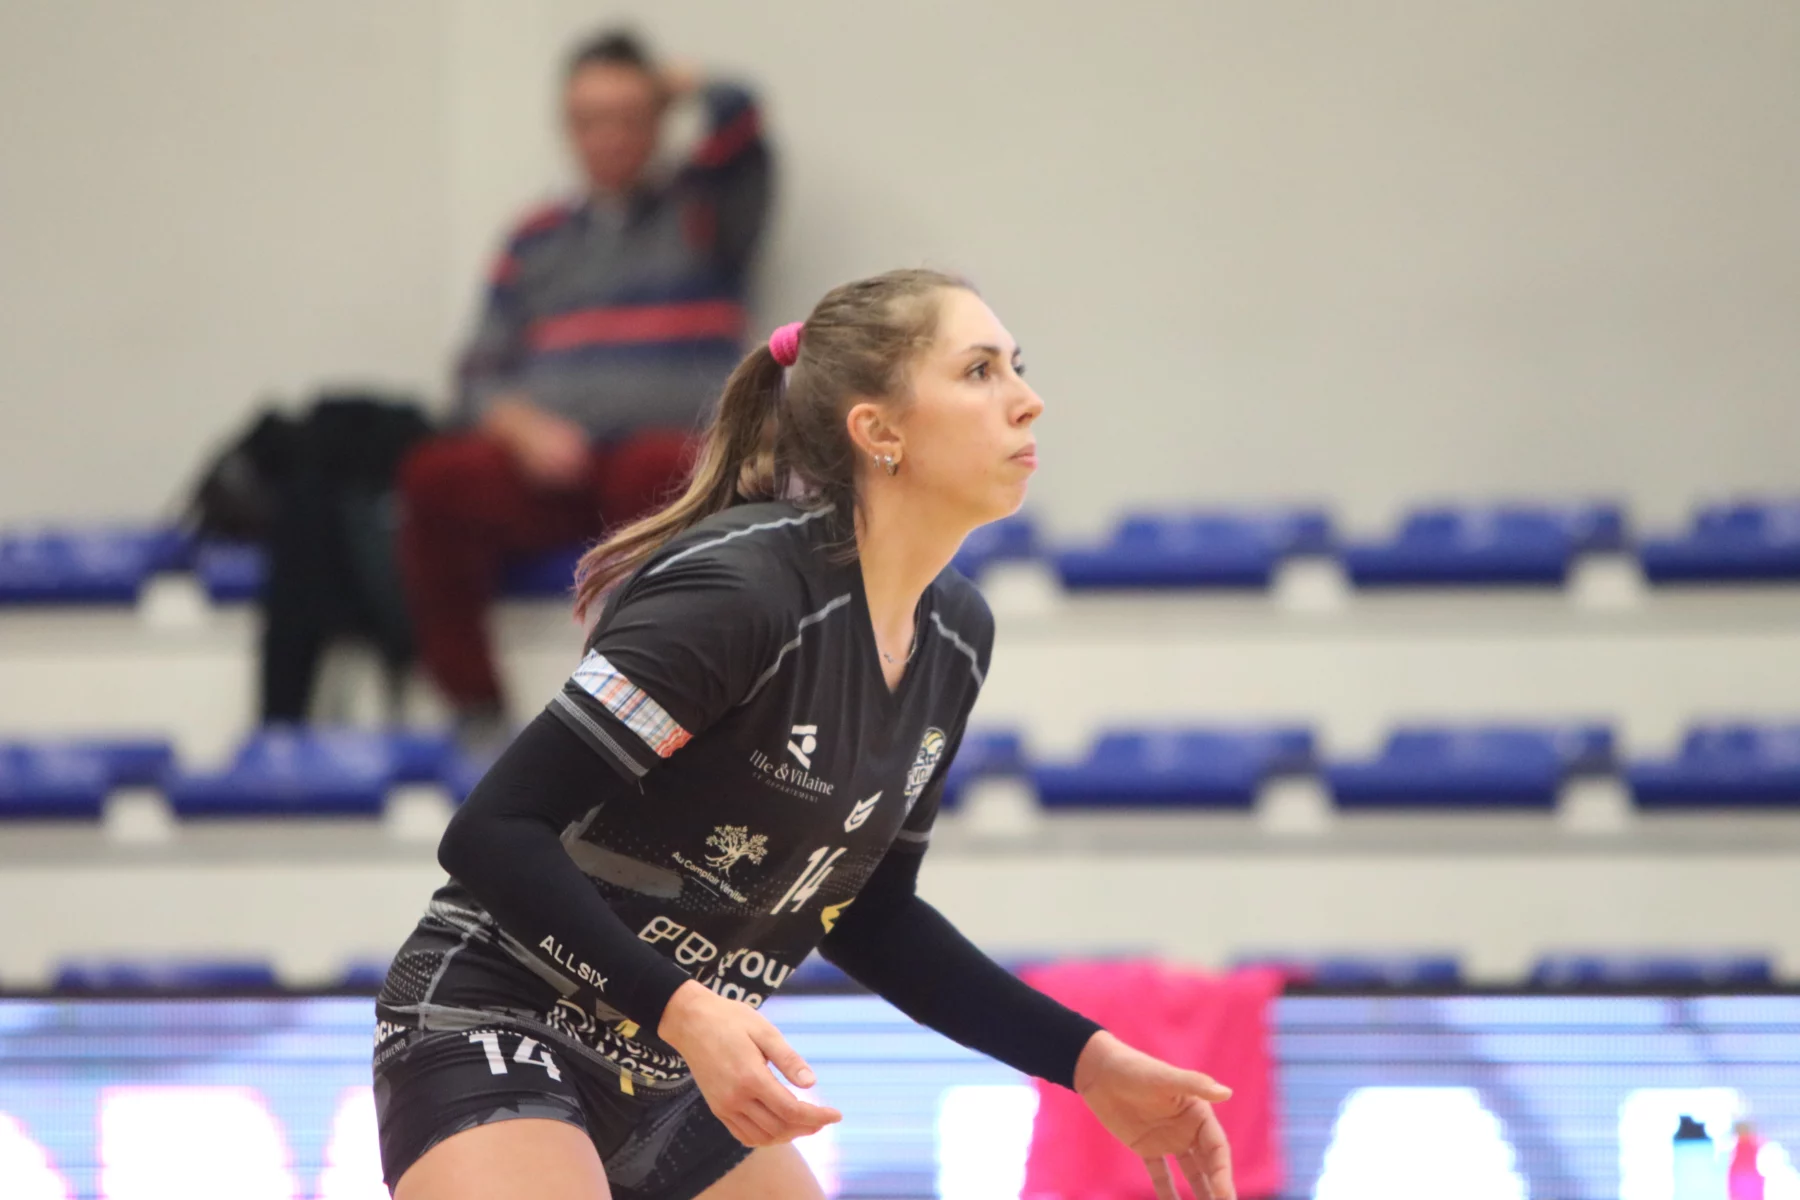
{"x": 911, "y": 649}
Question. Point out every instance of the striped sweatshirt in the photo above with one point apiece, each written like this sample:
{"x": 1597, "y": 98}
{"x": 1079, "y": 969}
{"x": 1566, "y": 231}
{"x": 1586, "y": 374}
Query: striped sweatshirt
{"x": 630, "y": 316}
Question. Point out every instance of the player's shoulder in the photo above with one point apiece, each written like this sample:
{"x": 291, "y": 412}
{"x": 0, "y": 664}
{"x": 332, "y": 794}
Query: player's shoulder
{"x": 774, "y": 552}
{"x": 962, "y": 609}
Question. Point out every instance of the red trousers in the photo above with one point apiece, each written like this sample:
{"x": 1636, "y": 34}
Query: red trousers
{"x": 466, "y": 508}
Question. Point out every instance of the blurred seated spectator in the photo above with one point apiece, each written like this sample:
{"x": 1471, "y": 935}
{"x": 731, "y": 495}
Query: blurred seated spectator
{"x": 612, "y": 321}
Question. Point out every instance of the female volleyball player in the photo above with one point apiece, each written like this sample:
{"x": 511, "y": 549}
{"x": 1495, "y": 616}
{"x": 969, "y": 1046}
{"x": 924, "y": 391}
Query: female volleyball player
{"x": 745, "y": 766}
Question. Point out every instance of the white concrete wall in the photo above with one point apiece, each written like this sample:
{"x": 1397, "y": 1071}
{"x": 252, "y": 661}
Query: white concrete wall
{"x": 201, "y": 203}
{"x": 1362, "y": 252}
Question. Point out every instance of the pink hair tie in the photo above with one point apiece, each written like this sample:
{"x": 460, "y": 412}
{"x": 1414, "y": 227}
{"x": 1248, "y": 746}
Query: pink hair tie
{"x": 784, "y": 343}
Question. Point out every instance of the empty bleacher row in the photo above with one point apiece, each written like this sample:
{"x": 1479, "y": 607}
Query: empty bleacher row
{"x": 309, "y": 772}
{"x": 1494, "y": 545}
{"x": 1571, "y": 970}
{"x": 1504, "y": 545}
{"x": 110, "y": 565}
{"x": 1470, "y": 768}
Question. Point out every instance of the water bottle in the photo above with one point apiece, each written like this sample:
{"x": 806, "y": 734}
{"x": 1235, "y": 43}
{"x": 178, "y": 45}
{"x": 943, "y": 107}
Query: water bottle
{"x": 1699, "y": 1169}
{"x": 1746, "y": 1178}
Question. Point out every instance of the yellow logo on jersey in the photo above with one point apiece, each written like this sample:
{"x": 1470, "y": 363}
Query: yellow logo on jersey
{"x": 830, "y": 913}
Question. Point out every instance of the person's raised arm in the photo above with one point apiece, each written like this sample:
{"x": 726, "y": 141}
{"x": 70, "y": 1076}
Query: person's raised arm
{"x": 730, "y": 174}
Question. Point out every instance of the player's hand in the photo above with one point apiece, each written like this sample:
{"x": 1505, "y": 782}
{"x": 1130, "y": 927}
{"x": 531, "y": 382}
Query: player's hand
{"x": 730, "y": 1046}
{"x": 1159, "y": 1111}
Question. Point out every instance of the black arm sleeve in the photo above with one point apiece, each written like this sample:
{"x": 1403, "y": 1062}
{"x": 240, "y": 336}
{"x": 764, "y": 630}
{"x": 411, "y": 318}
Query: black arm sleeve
{"x": 904, "y": 950}
{"x": 505, "y": 846}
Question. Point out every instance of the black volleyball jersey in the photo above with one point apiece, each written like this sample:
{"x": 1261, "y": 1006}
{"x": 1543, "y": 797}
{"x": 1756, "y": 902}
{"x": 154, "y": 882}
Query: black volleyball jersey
{"x": 735, "y": 683}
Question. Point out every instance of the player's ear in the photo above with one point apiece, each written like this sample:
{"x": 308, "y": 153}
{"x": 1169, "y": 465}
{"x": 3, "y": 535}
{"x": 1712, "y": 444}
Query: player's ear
{"x": 871, "y": 432}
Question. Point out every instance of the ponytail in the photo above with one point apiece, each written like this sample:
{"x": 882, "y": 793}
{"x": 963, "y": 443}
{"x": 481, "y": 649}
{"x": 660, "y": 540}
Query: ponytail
{"x": 736, "y": 462}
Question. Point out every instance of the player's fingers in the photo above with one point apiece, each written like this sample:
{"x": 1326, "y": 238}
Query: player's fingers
{"x": 785, "y": 1129}
{"x": 761, "y": 1124}
{"x": 787, "y": 1060}
{"x": 1160, "y": 1179}
{"x": 1205, "y": 1087}
{"x": 795, "y": 1111}
{"x": 1194, "y": 1171}
{"x": 1212, "y": 1154}
{"x": 743, "y": 1133}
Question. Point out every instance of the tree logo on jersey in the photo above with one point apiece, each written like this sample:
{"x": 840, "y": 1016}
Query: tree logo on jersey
{"x": 924, "y": 765}
{"x": 733, "y": 842}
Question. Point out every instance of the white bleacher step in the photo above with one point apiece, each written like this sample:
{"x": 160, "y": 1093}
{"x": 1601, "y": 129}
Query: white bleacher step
{"x": 139, "y": 817}
{"x": 1297, "y": 806}
{"x": 170, "y": 603}
{"x": 1595, "y": 806}
{"x": 1312, "y": 585}
{"x": 1001, "y": 809}
{"x": 416, "y": 813}
{"x": 1607, "y": 583}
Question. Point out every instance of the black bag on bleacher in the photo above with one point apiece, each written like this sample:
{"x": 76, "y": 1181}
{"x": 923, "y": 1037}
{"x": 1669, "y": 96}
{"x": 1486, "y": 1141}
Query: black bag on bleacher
{"x": 317, "y": 492}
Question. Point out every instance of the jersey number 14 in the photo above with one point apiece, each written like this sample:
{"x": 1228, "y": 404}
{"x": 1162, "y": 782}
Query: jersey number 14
{"x": 812, "y": 877}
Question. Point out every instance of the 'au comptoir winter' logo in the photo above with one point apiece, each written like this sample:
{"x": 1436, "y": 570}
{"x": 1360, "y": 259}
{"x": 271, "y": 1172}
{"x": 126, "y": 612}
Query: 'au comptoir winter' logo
{"x": 734, "y": 842}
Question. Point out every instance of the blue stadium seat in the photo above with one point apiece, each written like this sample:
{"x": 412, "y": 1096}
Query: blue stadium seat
{"x": 1744, "y": 542}
{"x": 172, "y": 975}
{"x": 420, "y": 755}
{"x": 1196, "y": 768}
{"x": 984, "y": 754}
{"x": 69, "y": 777}
{"x": 1011, "y": 540}
{"x": 1207, "y": 549}
{"x": 54, "y": 781}
{"x": 1363, "y": 970}
{"x": 284, "y": 771}
{"x": 87, "y": 567}
{"x": 547, "y": 576}
{"x": 132, "y": 761}
{"x": 1507, "y": 545}
{"x": 231, "y": 572}
{"x": 1579, "y": 969}
{"x": 1497, "y": 766}
{"x": 365, "y": 975}
{"x": 1729, "y": 765}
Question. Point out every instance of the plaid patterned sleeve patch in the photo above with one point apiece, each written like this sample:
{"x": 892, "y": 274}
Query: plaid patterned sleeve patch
{"x": 631, "y": 704}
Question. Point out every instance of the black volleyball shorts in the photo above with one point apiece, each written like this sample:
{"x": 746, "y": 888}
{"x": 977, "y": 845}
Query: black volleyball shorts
{"x": 665, "y": 1144}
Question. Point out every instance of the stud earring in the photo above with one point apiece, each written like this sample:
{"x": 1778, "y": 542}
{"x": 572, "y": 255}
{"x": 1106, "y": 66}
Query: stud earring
{"x": 888, "y": 463}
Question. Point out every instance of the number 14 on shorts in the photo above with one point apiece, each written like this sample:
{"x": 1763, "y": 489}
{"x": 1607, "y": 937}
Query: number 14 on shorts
{"x": 489, "y": 1040}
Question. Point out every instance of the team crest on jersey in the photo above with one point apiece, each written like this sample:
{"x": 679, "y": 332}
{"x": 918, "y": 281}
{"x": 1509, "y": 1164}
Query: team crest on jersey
{"x": 924, "y": 765}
